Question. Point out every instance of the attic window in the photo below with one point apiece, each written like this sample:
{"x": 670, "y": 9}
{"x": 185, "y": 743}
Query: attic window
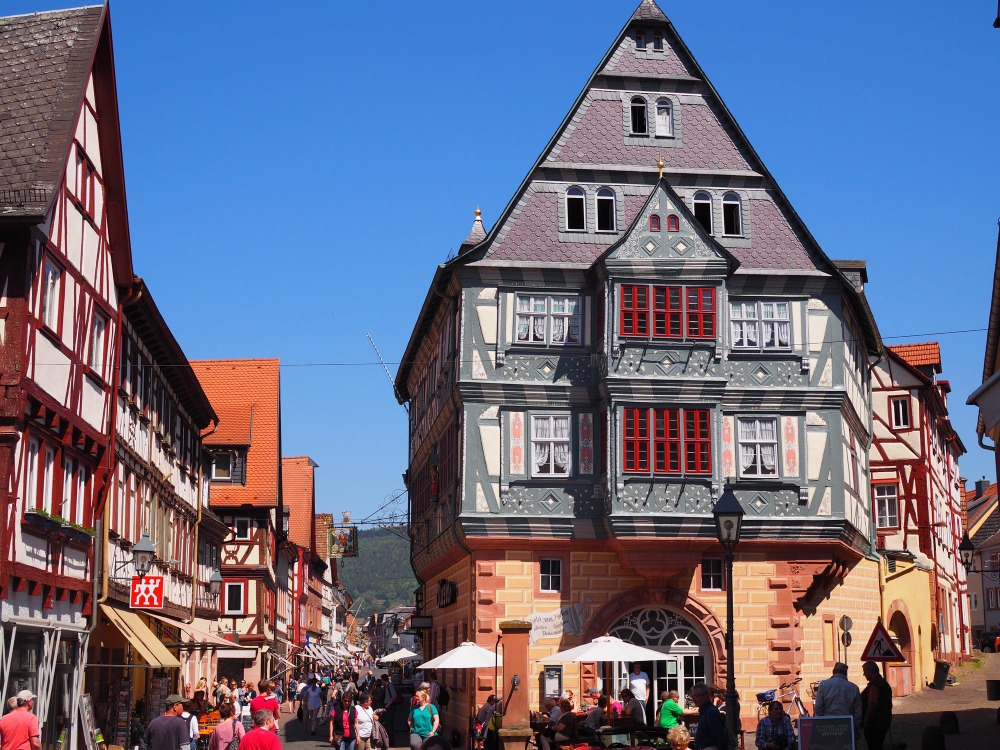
{"x": 732, "y": 219}
{"x": 576, "y": 211}
{"x": 222, "y": 467}
{"x": 657, "y": 41}
{"x": 673, "y": 224}
{"x": 606, "y": 213}
{"x": 640, "y": 40}
{"x": 638, "y": 112}
{"x": 664, "y": 118}
{"x": 703, "y": 210}
{"x": 654, "y": 223}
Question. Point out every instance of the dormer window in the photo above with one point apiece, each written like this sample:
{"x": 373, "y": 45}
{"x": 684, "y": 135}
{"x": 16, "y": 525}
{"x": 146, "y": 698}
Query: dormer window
{"x": 222, "y": 467}
{"x": 703, "y": 210}
{"x": 657, "y": 41}
{"x": 638, "y": 110}
{"x": 673, "y": 223}
{"x": 732, "y": 215}
{"x": 576, "y": 210}
{"x": 606, "y": 213}
{"x": 640, "y": 40}
{"x": 654, "y": 223}
{"x": 664, "y": 118}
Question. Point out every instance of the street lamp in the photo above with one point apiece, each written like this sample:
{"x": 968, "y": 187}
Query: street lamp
{"x": 215, "y": 583}
{"x": 728, "y": 514}
{"x": 966, "y": 551}
{"x": 142, "y": 555}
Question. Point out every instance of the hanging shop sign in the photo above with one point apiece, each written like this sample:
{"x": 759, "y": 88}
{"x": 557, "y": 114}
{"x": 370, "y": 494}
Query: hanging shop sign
{"x": 447, "y": 593}
{"x": 146, "y": 592}
{"x": 343, "y": 539}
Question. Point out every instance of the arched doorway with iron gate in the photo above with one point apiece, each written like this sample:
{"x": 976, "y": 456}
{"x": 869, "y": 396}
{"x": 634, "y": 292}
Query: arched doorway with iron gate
{"x": 671, "y": 633}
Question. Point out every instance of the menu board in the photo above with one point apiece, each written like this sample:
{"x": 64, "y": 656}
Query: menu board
{"x": 826, "y": 733}
{"x": 156, "y": 700}
{"x": 120, "y": 711}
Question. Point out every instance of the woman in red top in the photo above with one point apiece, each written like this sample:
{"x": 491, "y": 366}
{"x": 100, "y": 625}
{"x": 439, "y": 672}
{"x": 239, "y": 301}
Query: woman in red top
{"x": 344, "y": 722}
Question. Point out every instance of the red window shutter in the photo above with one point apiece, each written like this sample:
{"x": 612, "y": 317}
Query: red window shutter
{"x": 634, "y": 306}
{"x": 697, "y": 442}
{"x": 635, "y": 447}
{"x": 666, "y": 441}
{"x": 700, "y": 312}
{"x": 668, "y": 312}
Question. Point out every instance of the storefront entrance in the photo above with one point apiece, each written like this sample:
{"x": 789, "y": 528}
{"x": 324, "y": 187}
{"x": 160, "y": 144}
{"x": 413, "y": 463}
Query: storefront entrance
{"x": 668, "y": 632}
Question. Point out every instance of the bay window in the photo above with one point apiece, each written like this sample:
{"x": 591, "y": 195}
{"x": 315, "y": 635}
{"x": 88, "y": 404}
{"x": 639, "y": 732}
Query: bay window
{"x": 676, "y": 312}
{"x": 548, "y": 319}
{"x": 666, "y": 441}
{"x": 761, "y": 325}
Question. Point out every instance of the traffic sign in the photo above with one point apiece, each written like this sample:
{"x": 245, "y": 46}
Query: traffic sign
{"x": 846, "y": 623}
{"x": 146, "y": 592}
{"x": 880, "y": 646}
{"x": 846, "y": 638}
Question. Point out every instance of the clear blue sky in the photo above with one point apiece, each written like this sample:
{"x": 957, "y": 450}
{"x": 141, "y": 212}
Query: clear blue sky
{"x": 296, "y": 170}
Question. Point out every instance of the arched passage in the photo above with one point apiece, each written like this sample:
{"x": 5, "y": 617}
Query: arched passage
{"x": 901, "y": 676}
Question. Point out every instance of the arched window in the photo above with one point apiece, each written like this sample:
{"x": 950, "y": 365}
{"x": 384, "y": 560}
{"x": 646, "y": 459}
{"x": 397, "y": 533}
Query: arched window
{"x": 638, "y": 110}
{"x": 664, "y": 117}
{"x": 576, "y": 210}
{"x": 703, "y": 210}
{"x": 654, "y": 223}
{"x": 673, "y": 223}
{"x": 606, "y": 214}
{"x": 732, "y": 215}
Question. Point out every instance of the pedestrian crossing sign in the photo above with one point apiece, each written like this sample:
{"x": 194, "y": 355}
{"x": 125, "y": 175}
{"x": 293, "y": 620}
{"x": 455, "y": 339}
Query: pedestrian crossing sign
{"x": 880, "y": 646}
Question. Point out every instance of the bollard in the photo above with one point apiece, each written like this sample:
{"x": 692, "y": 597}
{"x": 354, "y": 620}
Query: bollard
{"x": 932, "y": 739}
{"x": 949, "y": 722}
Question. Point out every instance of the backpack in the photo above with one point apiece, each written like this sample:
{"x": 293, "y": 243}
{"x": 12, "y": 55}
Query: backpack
{"x": 443, "y": 697}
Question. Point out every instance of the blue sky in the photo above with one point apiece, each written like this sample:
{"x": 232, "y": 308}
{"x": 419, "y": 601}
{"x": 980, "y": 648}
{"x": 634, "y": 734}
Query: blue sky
{"x": 296, "y": 170}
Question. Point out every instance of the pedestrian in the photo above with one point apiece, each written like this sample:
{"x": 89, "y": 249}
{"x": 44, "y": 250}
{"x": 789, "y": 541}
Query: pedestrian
{"x": 343, "y": 723}
{"x": 775, "y": 731}
{"x": 265, "y": 701}
{"x": 876, "y": 706}
{"x": 313, "y": 699}
{"x": 486, "y": 712}
{"x": 365, "y": 721}
{"x": 170, "y": 731}
{"x": 19, "y": 728}
{"x": 711, "y": 733}
{"x": 632, "y": 708}
{"x": 10, "y": 705}
{"x": 378, "y": 694}
{"x": 434, "y": 689}
{"x": 222, "y": 692}
{"x": 838, "y": 696}
{"x": 228, "y": 730}
{"x": 423, "y": 720}
{"x": 192, "y": 721}
{"x": 670, "y": 710}
{"x": 264, "y": 735}
{"x": 638, "y": 683}
{"x": 563, "y": 730}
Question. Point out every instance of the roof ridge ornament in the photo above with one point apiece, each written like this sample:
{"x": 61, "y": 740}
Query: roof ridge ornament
{"x": 660, "y": 164}
{"x": 477, "y": 234}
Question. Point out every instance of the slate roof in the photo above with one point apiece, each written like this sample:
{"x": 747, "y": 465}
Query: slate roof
{"x": 919, "y": 355}
{"x": 297, "y": 475}
{"x": 45, "y": 59}
{"x": 246, "y": 394}
{"x": 649, "y": 11}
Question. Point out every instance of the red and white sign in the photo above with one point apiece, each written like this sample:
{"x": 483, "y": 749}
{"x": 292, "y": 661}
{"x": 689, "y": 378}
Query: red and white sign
{"x": 880, "y": 646}
{"x": 146, "y": 592}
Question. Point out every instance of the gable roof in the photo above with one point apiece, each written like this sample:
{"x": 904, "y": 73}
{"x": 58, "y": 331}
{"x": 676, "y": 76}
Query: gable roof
{"x": 983, "y": 514}
{"x": 919, "y": 355}
{"x": 45, "y": 61}
{"x": 246, "y": 394}
{"x": 298, "y": 494}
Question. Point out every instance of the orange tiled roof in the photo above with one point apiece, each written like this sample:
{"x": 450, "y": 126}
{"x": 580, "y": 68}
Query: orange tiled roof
{"x": 919, "y": 355}
{"x": 323, "y": 523}
{"x": 246, "y": 394}
{"x": 297, "y": 493}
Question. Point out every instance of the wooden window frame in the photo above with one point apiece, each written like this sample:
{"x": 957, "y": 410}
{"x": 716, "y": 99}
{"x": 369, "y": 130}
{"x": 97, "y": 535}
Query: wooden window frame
{"x": 560, "y": 576}
{"x": 635, "y": 440}
{"x": 236, "y": 525}
{"x": 668, "y": 106}
{"x": 552, "y": 441}
{"x": 98, "y": 344}
{"x": 635, "y": 105}
{"x": 576, "y": 193}
{"x": 673, "y": 223}
{"x": 876, "y": 485}
{"x": 654, "y": 223}
{"x": 898, "y": 424}
{"x": 680, "y": 313}
{"x": 668, "y": 313}
{"x": 702, "y": 198}
{"x": 550, "y": 316}
{"x": 215, "y": 465}
{"x": 721, "y": 574}
{"x": 606, "y": 194}
{"x": 757, "y": 442}
{"x": 48, "y": 259}
{"x": 224, "y": 609}
{"x": 642, "y": 447}
{"x": 700, "y": 313}
{"x": 729, "y": 200}
{"x": 633, "y": 319}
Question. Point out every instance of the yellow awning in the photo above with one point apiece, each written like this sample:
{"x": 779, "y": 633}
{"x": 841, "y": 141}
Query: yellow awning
{"x": 154, "y": 653}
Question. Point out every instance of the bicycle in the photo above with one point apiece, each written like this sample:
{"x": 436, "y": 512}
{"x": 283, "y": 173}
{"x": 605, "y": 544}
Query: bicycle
{"x": 765, "y": 698}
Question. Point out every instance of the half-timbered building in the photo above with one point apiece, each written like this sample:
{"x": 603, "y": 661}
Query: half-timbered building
{"x": 65, "y": 257}
{"x": 584, "y": 378}
{"x": 299, "y": 491}
{"x": 245, "y": 492}
{"x": 981, "y": 522}
{"x": 917, "y": 498}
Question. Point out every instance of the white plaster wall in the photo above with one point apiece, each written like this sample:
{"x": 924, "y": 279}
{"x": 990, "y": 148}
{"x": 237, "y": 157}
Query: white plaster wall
{"x": 92, "y": 406}
{"x": 51, "y": 369}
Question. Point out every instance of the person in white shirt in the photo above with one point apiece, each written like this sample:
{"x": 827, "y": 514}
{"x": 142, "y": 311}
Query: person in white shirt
{"x": 638, "y": 683}
{"x": 314, "y": 702}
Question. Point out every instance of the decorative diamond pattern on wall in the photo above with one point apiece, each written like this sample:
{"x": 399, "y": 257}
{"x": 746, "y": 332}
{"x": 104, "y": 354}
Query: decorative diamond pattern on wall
{"x": 758, "y": 504}
{"x": 761, "y": 375}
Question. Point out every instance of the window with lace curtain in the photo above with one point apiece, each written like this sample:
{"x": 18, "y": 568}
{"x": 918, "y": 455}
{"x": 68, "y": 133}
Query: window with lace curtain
{"x": 758, "y": 447}
{"x": 548, "y": 320}
{"x": 761, "y": 325}
{"x": 550, "y": 445}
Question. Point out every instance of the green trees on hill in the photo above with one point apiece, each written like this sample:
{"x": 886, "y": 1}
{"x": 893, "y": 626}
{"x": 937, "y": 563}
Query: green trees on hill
{"x": 380, "y": 576}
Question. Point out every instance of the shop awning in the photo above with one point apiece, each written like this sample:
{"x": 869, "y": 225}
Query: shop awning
{"x": 197, "y": 635}
{"x": 141, "y": 637}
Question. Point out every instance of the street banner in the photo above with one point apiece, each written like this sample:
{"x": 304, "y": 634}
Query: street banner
{"x": 826, "y": 732}
{"x": 146, "y": 592}
{"x": 880, "y": 646}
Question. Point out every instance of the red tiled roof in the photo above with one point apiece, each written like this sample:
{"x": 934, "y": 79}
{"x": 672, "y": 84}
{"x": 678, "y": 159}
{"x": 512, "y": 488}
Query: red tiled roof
{"x": 919, "y": 355}
{"x": 246, "y": 394}
{"x": 297, "y": 494}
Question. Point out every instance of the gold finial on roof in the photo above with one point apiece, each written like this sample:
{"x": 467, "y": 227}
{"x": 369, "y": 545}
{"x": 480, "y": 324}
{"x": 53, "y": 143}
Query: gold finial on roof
{"x": 660, "y": 164}
{"x": 478, "y": 212}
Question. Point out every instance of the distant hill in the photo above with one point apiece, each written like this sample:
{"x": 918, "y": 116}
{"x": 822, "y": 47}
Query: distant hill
{"x": 380, "y": 576}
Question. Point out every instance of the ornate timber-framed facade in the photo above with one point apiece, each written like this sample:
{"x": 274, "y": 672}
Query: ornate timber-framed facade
{"x": 917, "y": 499}
{"x": 584, "y": 378}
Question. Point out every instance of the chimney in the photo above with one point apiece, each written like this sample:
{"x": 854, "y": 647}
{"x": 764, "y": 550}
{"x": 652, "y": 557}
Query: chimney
{"x": 981, "y": 486}
{"x": 963, "y": 503}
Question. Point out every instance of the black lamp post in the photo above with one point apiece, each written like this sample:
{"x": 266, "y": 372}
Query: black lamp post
{"x": 728, "y": 514}
{"x": 966, "y": 552}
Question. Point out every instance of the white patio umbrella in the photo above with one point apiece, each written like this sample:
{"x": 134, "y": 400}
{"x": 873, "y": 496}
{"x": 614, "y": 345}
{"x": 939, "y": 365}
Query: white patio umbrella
{"x": 404, "y": 654}
{"x": 466, "y": 655}
{"x": 607, "y": 648}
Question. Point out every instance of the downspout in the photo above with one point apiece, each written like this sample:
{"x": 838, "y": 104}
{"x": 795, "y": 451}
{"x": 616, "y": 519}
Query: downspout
{"x": 197, "y": 525}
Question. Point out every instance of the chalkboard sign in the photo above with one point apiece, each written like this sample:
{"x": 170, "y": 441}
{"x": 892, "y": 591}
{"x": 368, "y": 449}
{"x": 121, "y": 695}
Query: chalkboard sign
{"x": 826, "y": 733}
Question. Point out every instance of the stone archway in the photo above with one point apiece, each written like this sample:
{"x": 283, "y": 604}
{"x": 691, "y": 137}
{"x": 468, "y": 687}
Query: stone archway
{"x": 680, "y": 601}
{"x": 901, "y": 676}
